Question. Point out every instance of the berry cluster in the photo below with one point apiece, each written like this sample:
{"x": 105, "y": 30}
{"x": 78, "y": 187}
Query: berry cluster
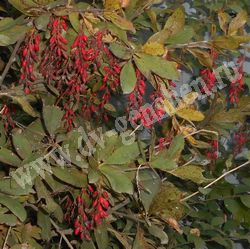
{"x": 239, "y": 141}
{"x": 208, "y": 76}
{"x": 55, "y": 56}
{"x": 88, "y": 211}
{"x": 29, "y": 57}
{"x": 212, "y": 154}
{"x": 237, "y": 85}
{"x": 6, "y": 116}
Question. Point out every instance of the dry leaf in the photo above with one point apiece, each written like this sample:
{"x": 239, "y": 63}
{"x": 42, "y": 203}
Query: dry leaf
{"x": 174, "y": 224}
{"x": 124, "y": 3}
{"x": 195, "y": 232}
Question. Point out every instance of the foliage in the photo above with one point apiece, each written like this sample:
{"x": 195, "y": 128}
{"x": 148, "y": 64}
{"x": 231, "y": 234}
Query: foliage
{"x": 102, "y": 143}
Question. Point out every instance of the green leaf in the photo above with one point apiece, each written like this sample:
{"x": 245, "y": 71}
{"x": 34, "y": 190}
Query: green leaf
{"x": 149, "y": 63}
{"x": 162, "y": 163}
{"x": 120, "y": 51}
{"x": 49, "y": 205}
{"x": 12, "y": 35}
{"x": 118, "y": 180}
{"x": 8, "y": 219}
{"x": 119, "y": 21}
{"x": 8, "y": 157}
{"x": 176, "y": 147}
{"x": 174, "y": 24}
{"x": 6, "y": 23}
{"x": 52, "y": 116}
{"x": 124, "y": 154}
{"x": 77, "y": 178}
{"x": 121, "y": 237}
{"x": 23, "y": 6}
{"x": 158, "y": 233}
{"x": 11, "y": 187}
{"x": 22, "y": 145}
{"x": 42, "y": 22}
{"x": 166, "y": 159}
{"x": 14, "y": 206}
{"x": 245, "y": 199}
{"x": 74, "y": 20}
{"x": 128, "y": 78}
{"x": 43, "y": 221}
{"x": 3, "y": 137}
{"x": 190, "y": 172}
{"x": 101, "y": 236}
{"x": 150, "y": 183}
{"x": 181, "y": 37}
{"x": 87, "y": 245}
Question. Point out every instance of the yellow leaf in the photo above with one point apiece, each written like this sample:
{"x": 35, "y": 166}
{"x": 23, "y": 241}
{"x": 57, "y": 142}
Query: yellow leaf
{"x": 187, "y": 100}
{"x": 25, "y": 105}
{"x": 190, "y": 172}
{"x": 168, "y": 107}
{"x": 204, "y": 57}
{"x": 224, "y": 19}
{"x": 237, "y": 22}
{"x": 89, "y": 26}
{"x": 153, "y": 48}
{"x": 186, "y": 131}
{"x": 226, "y": 42}
{"x": 112, "y": 4}
{"x": 119, "y": 21}
{"x": 176, "y": 21}
{"x": 166, "y": 203}
{"x": 190, "y": 114}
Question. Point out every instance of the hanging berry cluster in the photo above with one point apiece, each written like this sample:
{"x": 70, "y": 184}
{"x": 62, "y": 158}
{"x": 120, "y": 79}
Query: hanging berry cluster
{"x": 29, "y": 57}
{"x": 237, "y": 85}
{"x": 88, "y": 211}
{"x": 212, "y": 154}
{"x": 6, "y": 116}
{"x": 85, "y": 75}
{"x": 54, "y": 57}
{"x": 239, "y": 140}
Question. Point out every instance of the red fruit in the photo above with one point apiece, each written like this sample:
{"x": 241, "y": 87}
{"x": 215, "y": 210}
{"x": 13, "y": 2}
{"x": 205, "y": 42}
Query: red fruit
{"x": 27, "y": 90}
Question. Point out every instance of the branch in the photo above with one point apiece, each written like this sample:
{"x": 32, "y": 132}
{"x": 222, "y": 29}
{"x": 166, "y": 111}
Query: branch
{"x": 216, "y": 180}
{"x": 58, "y": 230}
{"x": 61, "y": 233}
{"x": 6, "y": 238}
{"x": 11, "y": 60}
{"x": 200, "y": 44}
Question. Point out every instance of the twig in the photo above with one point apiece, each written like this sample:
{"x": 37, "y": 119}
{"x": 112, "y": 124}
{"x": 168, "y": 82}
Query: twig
{"x": 6, "y": 238}
{"x": 61, "y": 233}
{"x": 201, "y": 44}
{"x": 216, "y": 180}
{"x": 120, "y": 205}
{"x": 58, "y": 230}
{"x": 11, "y": 60}
{"x": 131, "y": 217}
